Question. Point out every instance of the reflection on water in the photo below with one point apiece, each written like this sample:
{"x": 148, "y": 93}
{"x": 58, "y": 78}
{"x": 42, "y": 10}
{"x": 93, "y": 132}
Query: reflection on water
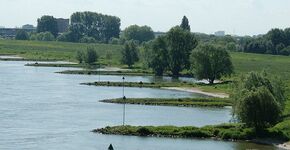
{"x": 43, "y": 110}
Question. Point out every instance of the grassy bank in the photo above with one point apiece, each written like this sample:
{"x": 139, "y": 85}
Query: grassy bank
{"x": 55, "y": 65}
{"x": 181, "y": 102}
{"x": 224, "y": 131}
{"x": 95, "y": 72}
{"x": 141, "y": 84}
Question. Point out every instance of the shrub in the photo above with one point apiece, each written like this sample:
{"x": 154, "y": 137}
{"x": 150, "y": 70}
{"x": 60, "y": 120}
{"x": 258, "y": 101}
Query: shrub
{"x": 143, "y": 131}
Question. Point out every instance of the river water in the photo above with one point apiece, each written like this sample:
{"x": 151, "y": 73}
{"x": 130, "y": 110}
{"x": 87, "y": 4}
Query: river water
{"x": 42, "y": 110}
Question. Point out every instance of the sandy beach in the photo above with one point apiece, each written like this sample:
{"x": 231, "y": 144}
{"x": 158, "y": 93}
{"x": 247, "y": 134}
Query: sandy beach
{"x": 196, "y": 90}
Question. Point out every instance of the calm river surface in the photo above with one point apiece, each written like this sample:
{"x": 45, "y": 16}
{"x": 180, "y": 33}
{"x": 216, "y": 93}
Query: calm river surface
{"x": 42, "y": 110}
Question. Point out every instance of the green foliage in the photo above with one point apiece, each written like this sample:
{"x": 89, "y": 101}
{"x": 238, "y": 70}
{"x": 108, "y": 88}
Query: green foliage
{"x": 185, "y": 23}
{"x": 90, "y": 55}
{"x": 285, "y": 51}
{"x": 258, "y": 100}
{"x": 231, "y": 46}
{"x": 276, "y": 36}
{"x": 182, "y": 102}
{"x": 159, "y": 56}
{"x": 258, "y": 108}
{"x": 260, "y": 46}
{"x": 138, "y": 33}
{"x": 80, "y": 56}
{"x": 101, "y": 27}
{"x": 223, "y": 131}
{"x": 42, "y": 36}
{"x": 209, "y": 62}
{"x": 21, "y": 35}
{"x": 129, "y": 53}
{"x": 87, "y": 39}
{"x": 47, "y": 24}
{"x": 180, "y": 44}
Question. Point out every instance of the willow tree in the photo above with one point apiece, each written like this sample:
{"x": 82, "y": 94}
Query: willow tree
{"x": 258, "y": 100}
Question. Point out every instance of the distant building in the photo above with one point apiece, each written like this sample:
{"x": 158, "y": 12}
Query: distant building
{"x": 28, "y": 26}
{"x": 11, "y": 32}
{"x": 62, "y": 25}
{"x": 220, "y": 33}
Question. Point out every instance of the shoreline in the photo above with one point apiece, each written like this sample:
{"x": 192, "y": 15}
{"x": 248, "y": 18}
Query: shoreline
{"x": 198, "y": 91}
{"x": 223, "y": 132}
{"x": 285, "y": 145}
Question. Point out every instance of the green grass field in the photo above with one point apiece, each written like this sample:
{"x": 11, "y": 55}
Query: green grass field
{"x": 55, "y": 50}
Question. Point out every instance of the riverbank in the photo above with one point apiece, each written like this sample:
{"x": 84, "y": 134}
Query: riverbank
{"x": 180, "y": 102}
{"x": 140, "y": 84}
{"x": 107, "y": 72}
{"x": 232, "y": 132}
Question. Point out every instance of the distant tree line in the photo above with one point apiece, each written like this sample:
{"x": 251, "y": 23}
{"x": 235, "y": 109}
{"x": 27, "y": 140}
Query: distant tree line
{"x": 276, "y": 42}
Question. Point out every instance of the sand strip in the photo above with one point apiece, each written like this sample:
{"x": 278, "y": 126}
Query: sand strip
{"x": 196, "y": 90}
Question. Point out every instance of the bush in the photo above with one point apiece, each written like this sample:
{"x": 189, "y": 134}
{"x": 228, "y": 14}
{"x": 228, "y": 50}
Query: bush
{"x": 42, "y": 36}
{"x": 258, "y": 101}
{"x": 143, "y": 131}
{"x": 87, "y": 39}
{"x": 90, "y": 56}
{"x": 21, "y": 35}
{"x": 80, "y": 56}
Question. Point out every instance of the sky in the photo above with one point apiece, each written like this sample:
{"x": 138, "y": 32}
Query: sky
{"x": 239, "y": 17}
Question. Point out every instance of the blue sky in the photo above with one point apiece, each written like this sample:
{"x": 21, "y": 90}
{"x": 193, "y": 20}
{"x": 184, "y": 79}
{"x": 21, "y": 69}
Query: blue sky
{"x": 242, "y": 17}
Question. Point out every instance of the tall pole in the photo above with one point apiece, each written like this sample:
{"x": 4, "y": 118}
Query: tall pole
{"x": 124, "y": 105}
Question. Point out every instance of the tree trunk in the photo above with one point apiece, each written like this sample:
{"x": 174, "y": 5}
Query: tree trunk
{"x": 211, "y": 81}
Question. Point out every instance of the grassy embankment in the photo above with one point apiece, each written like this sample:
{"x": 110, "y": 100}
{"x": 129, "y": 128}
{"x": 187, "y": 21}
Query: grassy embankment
{"x": 181, "y": 102}
{"x": 223, "y": 131}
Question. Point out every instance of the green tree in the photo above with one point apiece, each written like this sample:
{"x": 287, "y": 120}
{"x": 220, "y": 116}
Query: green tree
{"x": 159, "y": 58}
{"x": 130, "y": 54}
{"x": 211, "y": 63}
{"x": 258, "y": 108}
{"x": 91, "y": 55}
{"x": 80, "y": 56}
{"x": 180, "y": 44}
{"x": 138, "y": 33}
{"x": 96, "y": 25}
{"x": 258, "y": 99}
{"x": 287, "y": 36}
{"x": 185, "y": 23}
{"x": 276, "y": 36}
{"x": 21, "y": 35}
{"x": 47, "y": 24}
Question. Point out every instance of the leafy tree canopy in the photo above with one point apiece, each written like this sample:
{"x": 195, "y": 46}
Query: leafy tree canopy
{"x": 210, "y": 62}
{"x": 180, "y": 44}
{"x": 47, "y": 24}
{"x": 138, "y": 33}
